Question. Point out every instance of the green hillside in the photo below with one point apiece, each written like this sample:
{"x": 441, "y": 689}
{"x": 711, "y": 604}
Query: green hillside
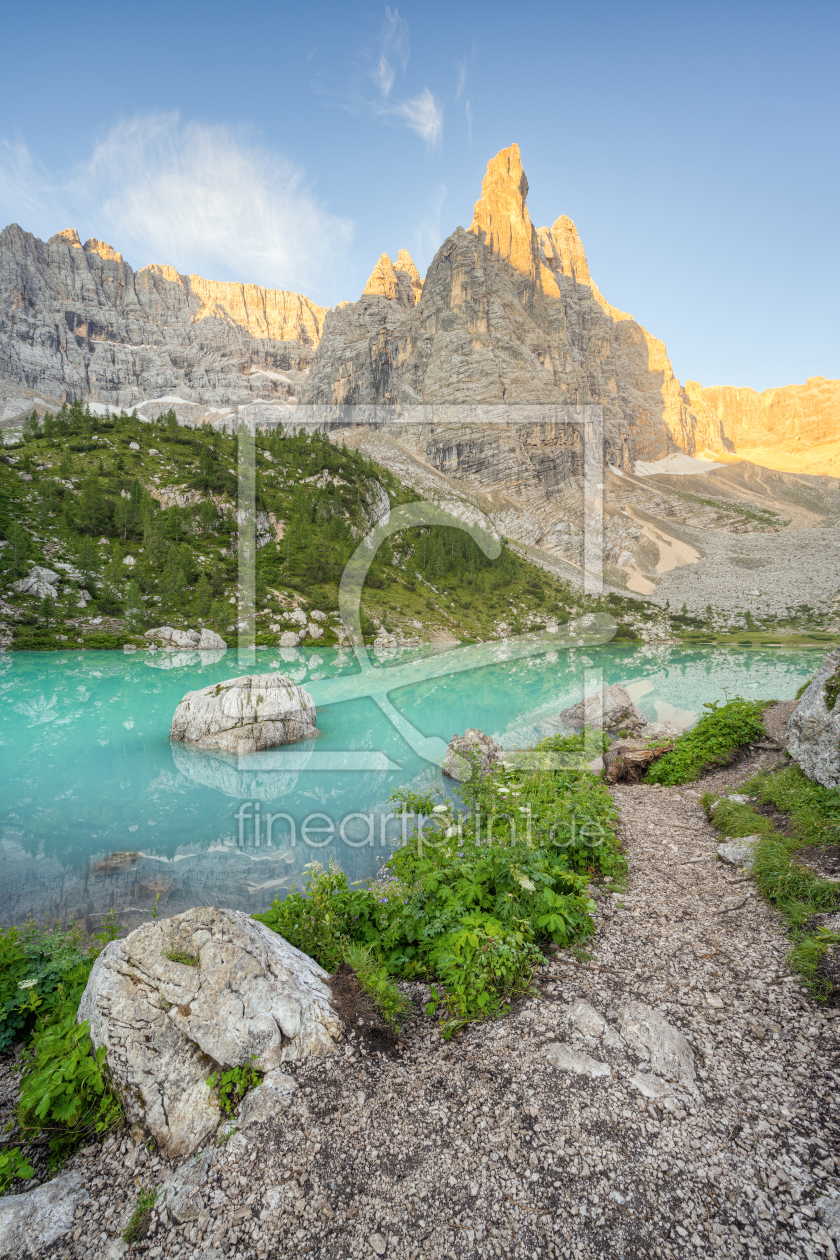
{"x": 89, "y": 492}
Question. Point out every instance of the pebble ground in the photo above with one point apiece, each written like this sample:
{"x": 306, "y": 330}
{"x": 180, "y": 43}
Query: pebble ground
{"x": 480, "y": 1148}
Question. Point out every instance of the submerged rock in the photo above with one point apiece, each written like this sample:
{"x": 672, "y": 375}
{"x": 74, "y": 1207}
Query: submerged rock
{"x": 608, "y": 710}
{"x": 246, "y": 714}
{"x": 471, "y": 748}
{"x": 813, "y": 729}
{"x": 205, "y": 990}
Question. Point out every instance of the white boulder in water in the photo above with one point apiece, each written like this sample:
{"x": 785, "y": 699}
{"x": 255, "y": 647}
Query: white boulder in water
{"x": 203, "y": 991}
{"x": 609, "y": 710}
{"x": 473, "y": 748}
{"x": 204, "y": 640}
{"x": 244, "y": 715}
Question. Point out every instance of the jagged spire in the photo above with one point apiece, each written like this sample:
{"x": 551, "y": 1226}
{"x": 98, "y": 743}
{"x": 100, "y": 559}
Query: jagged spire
{"x": 401, "y": 283}
{"x": 501, "y": 218}
{"x": 383, "y": 280}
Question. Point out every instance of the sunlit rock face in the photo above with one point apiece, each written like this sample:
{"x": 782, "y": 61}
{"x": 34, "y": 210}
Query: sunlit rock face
{"x": 507, "y": 314}
{"x": 77, "y": 322}
{"x": 795, "y": 428}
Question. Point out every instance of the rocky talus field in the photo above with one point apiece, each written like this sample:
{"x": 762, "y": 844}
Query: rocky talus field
{"x": 670, "y": 1093}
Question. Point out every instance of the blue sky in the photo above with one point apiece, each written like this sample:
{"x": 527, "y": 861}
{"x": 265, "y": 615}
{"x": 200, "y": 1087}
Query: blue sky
{"x": 695, "y": 146}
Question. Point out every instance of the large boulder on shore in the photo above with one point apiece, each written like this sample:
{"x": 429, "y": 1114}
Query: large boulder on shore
{"x": 246, "y": 714}
{"x": 813, "y": 729}
{"x": 608, "y": 710}
{"x": 204, "y": 640}
{"x": 205, "y": 990}
{"x": 473, "y": 748}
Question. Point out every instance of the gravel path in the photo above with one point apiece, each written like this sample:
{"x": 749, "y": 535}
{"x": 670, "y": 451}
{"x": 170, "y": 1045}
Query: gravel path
{"x": 484, "y": 1147}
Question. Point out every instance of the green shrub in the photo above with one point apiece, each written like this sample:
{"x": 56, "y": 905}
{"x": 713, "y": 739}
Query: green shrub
{"x": 470, "y": 897}
{"x": 714, "y": 741}
{"x": 65, "y": 1090}
{"x": 797, "y": 892}
{"x": 34, "y": 961}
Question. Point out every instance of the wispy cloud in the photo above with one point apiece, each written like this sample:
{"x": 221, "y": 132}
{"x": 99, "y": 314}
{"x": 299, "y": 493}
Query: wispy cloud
{"x": 371, "y": 91}
{"x": 394, "y": 51}
{"x": 423, "y": 115}
{"x": 469, "y": 113}
{"x": 206, "y": 199}
{"x": 462, "y": 66}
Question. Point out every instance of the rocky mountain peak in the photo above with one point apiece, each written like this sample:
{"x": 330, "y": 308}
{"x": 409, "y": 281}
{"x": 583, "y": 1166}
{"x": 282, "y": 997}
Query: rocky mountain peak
{"x": 68, "y": 237}
{"x": 102, "y": 248}
{"x": 401, "y": 283}
{"x": 500, "y": 218}
{"x": 563, "y": 250}
{"x": 383, "y": 280}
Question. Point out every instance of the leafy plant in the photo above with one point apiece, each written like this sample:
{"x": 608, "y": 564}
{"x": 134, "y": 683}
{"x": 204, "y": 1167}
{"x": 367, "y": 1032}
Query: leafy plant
{"x": 65, "y": 1090}
{"x": 234, "y": 1084}
{"x": 34, "y": 960}
{"x": 713, "y": 741}
{"x": 138, "y": 1223}
{"x": 468, "y": 900}
{"x": 13, "y": 1165}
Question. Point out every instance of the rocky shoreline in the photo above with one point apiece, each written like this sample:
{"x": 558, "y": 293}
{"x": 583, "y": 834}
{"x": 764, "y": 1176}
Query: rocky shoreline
{"x": 484, "y": 1147}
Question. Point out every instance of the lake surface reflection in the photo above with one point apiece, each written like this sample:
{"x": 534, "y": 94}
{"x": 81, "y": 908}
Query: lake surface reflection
{"x": 99, "y": 811}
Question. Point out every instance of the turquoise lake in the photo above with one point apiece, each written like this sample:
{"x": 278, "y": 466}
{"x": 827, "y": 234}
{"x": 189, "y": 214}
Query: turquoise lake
{"x": 99, "y": 811}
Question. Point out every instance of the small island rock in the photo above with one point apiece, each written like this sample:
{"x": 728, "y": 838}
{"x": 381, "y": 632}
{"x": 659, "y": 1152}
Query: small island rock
{"x": 471, "y": 748}
{"x": 246, "y": 714}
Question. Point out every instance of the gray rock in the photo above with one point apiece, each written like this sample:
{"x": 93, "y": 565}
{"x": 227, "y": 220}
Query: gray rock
{"x": 653, "y": 1038}
{"x": 562, "y": 1056}
{"x": 182, "y": 1198}
{"x": 246, "y": 714}
{"x": 171, "y": 637}
{"x": 39, "y": 582}
{"x": 210, "y": 641}
{"x": 166, "y": 1024}
{"x": 269, "y": 1098}
{"x": 378, "y": 1244}
{"x": 828, "y": 1211}
{"x": 289, "y": 638}
{"x": 610, "y": 710}
{"x": 589, "y": 1023}
{"x": 739, "y": 851}
{"x": 41, "y": 1216}
{"x": 471, "y": 748}
{"x": 654, "y": 1087}
{"x": 813, "y": 729}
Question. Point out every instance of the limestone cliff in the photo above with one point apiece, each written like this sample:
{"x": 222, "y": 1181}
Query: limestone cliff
{"x": 508, "y": 314}
{"x": 794, "y": 429}
{"x": 77, "y": 321}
